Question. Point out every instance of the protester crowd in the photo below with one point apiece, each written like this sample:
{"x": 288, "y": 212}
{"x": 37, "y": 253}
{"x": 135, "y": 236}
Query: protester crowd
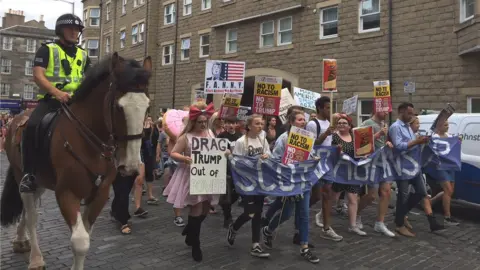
{"x": 265, "y": 137}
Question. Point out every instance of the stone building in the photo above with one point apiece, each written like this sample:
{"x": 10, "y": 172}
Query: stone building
{"x": 435, "y": 44}
{"x": 91, "y": 32}
{"x": 19, "y": 42}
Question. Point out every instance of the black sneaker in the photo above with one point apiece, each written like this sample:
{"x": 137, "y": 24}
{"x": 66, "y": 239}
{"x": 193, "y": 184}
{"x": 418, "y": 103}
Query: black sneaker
{"x": 231, "y": 234}
{"x": 307, "y": 254}
{"x": 27, "y": 184}
{"x": 267, "y": 238}
{"x": 178, "y": 221}
{"x": 296, "y": 241}
{"x": 434, "y": 225}
{"x": 450, "y": 221}
{"x": 257, "y": 251}
{"x": 140, "y": 213}
{"x": 265, "y": 222}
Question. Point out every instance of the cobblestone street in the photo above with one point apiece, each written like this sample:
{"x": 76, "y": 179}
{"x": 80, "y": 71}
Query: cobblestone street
{"x": 156, "y": 243}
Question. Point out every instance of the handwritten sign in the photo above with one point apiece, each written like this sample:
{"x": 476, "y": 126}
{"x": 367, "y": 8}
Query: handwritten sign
{"x": 208, "y": 171}
{"x": 230, "y": 105}
{"x": 224, "y": 77}
{"x": 363, "y": 141}
{"x": 243, "y": 113}
{"x": 329, "y": 78}
{"x": 381, "y": 96}
{"x": 286, "y": 102}
{"x": 266, "y": 98}
{"x": 305, "y": 98}
{"x": 350, "y": 105}
{"x": 443, "y": 116}
{"x": 299, "y": 145}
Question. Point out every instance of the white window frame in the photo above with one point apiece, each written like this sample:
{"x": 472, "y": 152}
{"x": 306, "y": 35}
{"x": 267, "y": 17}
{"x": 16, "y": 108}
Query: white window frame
{"x": 135, "y": 35}
{"x": 172, "y": 14}
{"x": 206, "y": 4}
{"x": 141, "y": 31}
{"x": 322, "y": 23}
{"x": 107, "y": 44}
{"x": 204, "y": 45}
{"x": 28, "y": 90}
{"x": 92, "y": 18}
{"x": 280, "y": 32}
{"x": 8, "y": 64}
{"x": 85, "y": 17}
{"x": 187, "y": 7}
{"x": 31, "y": 45}
{"x": 137, "y": 3}
{"x": 124, "y": 7}
{"x": 183, "y": 57}
{"x": 170, "y": 54}
{"x": 262, "y": 45}
{"x": 93, "y": 48}
{"x": 123, "y": 41}
{"x": 469, "y": 103}
{"x": 228, "y": 42}
{"x": 107, "y": 11}
{"x": 360, "y": 17}
{"x": 463, "y": 11}
{"x": 28, "y": 67}
{"x": 7, "y": 43}
{"x": 5, "y": 87}
{"x": 359, "y": 110}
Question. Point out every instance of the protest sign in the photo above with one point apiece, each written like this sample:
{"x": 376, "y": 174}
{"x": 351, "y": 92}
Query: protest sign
{"x": 286, "y": 102}
{"x": 200, "y": 96}
{"x": 208, "y": 171}
{"x": 243, "y": 113}
{"x": 299, "y": 145}
{"x": 266, "y": 98}
{"x": 224, "y": 77}
{"x": 443, "y": 116}
{"x": 381, "y": 96}
{"x": 305, "y": 98}
{"x": 329, "y": 76}
{"x": 230, "y": 105}
{"x": 363, "y": 142}
{"x": 350, "y": 105}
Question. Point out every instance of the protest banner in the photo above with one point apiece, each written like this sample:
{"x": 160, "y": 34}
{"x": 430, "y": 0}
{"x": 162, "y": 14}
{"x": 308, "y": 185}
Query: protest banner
{"x": 230, "y": 105}
{"x": 286, "y": 102}
{"x": 267, "y": 95}
{"x": 381, "y": 96}
{"x": 299, "y": 145}
{"x": 243, "y": 113}
{"x": 329, "y": 76}
{"x": 208, "y": 170}
{"x": 443, "y": 116}
{"x": 224, "y": 77}
{"x": 305, "y": 98}
{"x": 350, "y": 105}
{"x": 363, "y": 141}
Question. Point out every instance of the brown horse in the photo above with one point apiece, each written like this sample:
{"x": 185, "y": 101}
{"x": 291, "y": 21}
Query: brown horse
{"x": 88, "y": 141}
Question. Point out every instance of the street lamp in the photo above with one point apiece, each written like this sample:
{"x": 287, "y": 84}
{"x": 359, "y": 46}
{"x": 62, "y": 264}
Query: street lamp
{"x": 69, "y": 2}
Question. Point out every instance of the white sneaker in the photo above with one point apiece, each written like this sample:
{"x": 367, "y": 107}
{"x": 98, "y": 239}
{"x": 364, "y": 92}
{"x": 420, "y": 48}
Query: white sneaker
{"x": 381, "y": 228}
{"x": 357, "y": 231}
{"x": 319, "y": 219}
{"x": 331, "y": 235}
{"x": 359, "y": 222}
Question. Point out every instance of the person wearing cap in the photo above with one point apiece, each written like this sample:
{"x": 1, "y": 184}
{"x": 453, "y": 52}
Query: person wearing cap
{"x": 58, "y": 70}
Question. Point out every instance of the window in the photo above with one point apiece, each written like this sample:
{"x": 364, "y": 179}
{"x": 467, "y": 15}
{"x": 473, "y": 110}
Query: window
{"x": 107, "y": 11}
{"x": 94, "y": 17}
{"x": 169, "y": 14}
{"x": 185, "y": 48}
{"x": 187, "y": 7}
{"x": 137, "y": 3}
{"x": 473, "y": 105}
{"x": 369, "y": 16}
{"x": 329, "y": 22}
{"x": 204, "y": 45}
{"x": 107, "y": 45}
{"x": 4, "y": 89}
{"x": 206, "y": 4}
{"x": 28, "y": 91}
{"x": 124, "y": 6}
{"x": 284, "y": 31}
{"x": 134, "y": 34}
{"x": 267, "y": 34}
{"x": 364, "y": 110}
{"x": 6, "y": 66}
{"x": 122, "y": 39}
{"x": 31, "y": 45}
{"x": 85, "y": 16}
{"x": 7, "y": 43}
{"x": 92, "y": 47}
{"x": 167, "y": 55}
{"x": 231, "y": 44}
{"x": 29, "y": 67}
{"x": 141, "y": 32}
{"x": 467, "y": 10}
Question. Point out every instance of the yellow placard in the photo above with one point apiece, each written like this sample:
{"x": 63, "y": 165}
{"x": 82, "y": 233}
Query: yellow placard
{"x": 268, "y": 86}
{"x": 300, "y": 141}
{"x": 232, "y": 101}
{"x": 381, "y": 89}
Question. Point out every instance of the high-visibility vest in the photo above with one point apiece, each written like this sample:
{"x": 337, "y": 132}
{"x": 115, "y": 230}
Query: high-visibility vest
{"x": 55, "y": 73}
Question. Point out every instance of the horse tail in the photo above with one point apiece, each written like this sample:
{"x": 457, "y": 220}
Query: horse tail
{"x": 11, "y": 205}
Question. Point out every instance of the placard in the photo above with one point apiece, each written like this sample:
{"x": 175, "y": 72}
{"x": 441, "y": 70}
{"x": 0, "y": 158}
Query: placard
{"x": 329, "y": 76}
{"x": 299, "y": 145}
{"x": 243, "y": 113}
{"x": 363, "y": 141}
{"x": 266, "y": 98}
{"x": 230, "y": 105}
{"x": 208, "y": 171}
{"x": 224, "y": 77}
{"x": 443, "y": 116}
{"x": 350, "y": 105}
{"x": 305, "y": 98}
{"x": 381, "y": 96}
{"x": 286, "y": 102}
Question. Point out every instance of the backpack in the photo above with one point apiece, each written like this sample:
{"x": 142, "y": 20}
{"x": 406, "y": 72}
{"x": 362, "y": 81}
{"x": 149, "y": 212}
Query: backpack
{"x": 319, "y": 128}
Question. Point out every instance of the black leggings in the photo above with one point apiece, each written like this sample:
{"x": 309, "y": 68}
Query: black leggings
{"x": 149, "y": 162}
{"x": 252, "y": 205}
{"x": 121, "y": 189}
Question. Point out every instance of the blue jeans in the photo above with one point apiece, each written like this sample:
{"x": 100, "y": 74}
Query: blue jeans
{"x": 406, "y": 201}
{"x": 276, "y": 216}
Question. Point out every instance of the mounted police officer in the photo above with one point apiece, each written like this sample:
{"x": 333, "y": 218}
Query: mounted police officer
{"x": 58, "y": 70}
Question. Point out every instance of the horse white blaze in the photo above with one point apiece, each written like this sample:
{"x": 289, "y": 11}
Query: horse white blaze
{"x": 134, "y": 106}
{"x": 80, "y": 243}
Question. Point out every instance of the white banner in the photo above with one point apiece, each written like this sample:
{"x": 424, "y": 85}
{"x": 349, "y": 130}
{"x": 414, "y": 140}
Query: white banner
{"x": 305, "y": 98}
{"x": 350, "y": 105}
{"x": 286, "y": 101}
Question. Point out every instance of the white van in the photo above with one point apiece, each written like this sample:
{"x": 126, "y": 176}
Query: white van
{"x": 467, "y": 181}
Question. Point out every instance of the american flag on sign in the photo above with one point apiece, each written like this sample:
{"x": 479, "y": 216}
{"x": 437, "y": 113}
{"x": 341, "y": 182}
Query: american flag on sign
{"x": 234, "y": 71}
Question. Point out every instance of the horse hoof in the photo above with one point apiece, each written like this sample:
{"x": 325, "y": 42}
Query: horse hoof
{"x": 21, "y": 246}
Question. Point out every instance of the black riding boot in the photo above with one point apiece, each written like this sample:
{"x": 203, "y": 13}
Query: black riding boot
{"x": 194, "y": 237}
{"x": 28, "y": 184}
{"x": 186, "y": 231}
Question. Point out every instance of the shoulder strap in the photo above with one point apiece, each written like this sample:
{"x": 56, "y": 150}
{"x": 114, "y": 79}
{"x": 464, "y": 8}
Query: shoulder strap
{"x": 319, "y": 128}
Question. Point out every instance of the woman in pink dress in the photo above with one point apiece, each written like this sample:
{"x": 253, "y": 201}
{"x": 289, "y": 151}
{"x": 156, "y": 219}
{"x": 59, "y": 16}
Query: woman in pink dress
{"x": 178, "y": 189}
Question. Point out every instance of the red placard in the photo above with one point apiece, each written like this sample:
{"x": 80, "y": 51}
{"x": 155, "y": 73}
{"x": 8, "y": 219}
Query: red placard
{"x": 363, "y": 141}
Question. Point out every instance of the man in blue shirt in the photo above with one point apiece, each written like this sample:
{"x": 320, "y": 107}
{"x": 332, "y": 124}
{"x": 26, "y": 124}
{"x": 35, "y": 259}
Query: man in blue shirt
{"x": 403, "y": 138}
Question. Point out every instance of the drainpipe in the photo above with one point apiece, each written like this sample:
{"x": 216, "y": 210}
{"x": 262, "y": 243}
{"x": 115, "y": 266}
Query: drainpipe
{"x": 174, "y": 53}
{"x": 390, "y": 52}
{"x": 101, "y": 32}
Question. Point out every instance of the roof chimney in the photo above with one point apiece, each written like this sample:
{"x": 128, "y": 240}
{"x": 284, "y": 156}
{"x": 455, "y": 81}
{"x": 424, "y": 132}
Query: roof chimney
{"x": 41, "y": 18}
{"x": 12, "y": 18}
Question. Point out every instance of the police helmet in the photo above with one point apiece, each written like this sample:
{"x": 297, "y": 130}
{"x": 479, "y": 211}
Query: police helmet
{"x": 68, "y": 20}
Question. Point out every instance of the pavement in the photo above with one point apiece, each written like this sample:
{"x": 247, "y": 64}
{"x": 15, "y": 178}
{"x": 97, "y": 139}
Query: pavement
{"x": 156, "y": 243}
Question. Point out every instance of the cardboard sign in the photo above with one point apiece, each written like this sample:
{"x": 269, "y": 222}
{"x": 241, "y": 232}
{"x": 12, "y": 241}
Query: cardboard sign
{"x": 208, "y": 171}
{"x": 224, "y": 77}
{"x": 329, "y": 76}
{"x": 299, "y": 145}
{"x": 230, "y": 105}
{"x": 444, "y": 114}
{"x": 305, "y": 98}
{"x": 286, "y": 102}
{"x": 363, "y": 141}
{"x": 243, "y": 113}
{"x": 382, "y": 100}
{"x": 266, "y": 98}
{"x": 350, "y": 105}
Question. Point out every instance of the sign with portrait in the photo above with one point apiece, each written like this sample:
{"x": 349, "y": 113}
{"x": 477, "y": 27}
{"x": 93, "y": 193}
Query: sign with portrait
{"x": 224, "y": 77}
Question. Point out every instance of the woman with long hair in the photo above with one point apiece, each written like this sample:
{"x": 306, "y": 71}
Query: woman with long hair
{"x": 148, "y": 153}
{"x": 271, "y": 131}
{"x": 178, "y": 189}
